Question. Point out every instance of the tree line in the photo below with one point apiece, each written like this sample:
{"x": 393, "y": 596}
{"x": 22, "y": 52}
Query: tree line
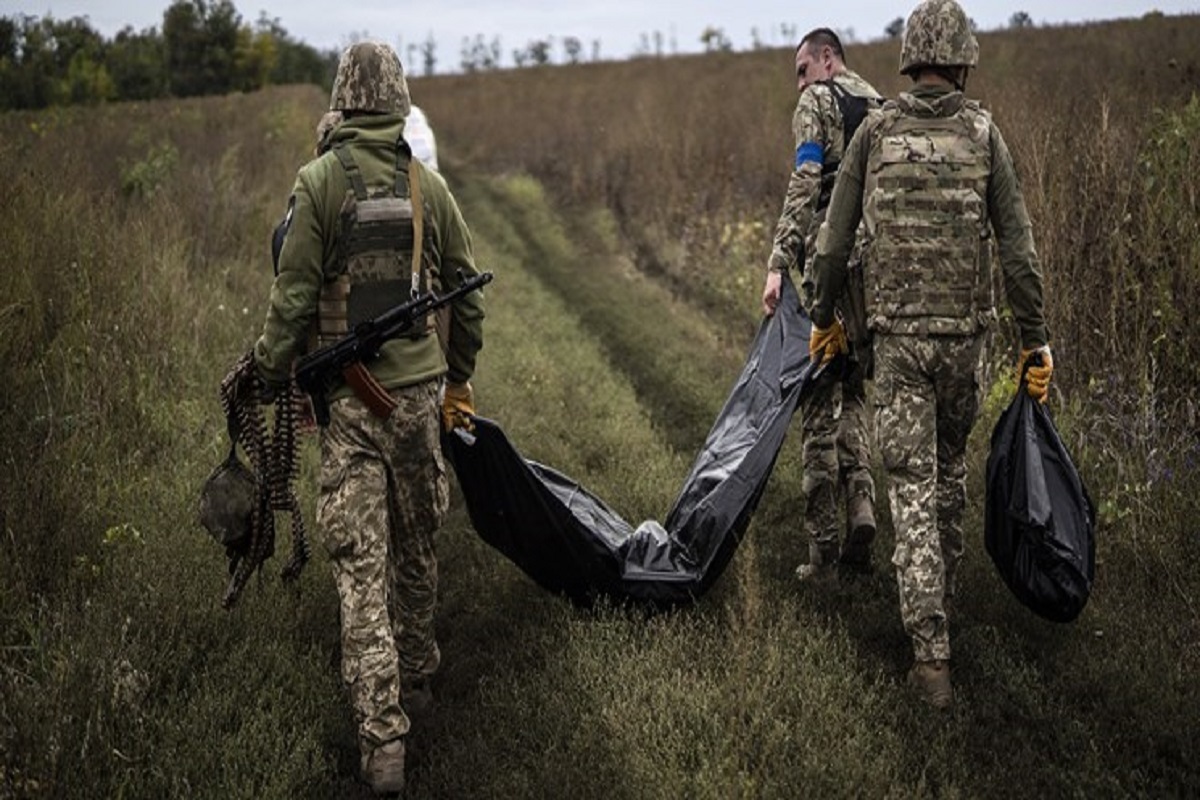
{"x": 202, "y": 48}
{"x": 205, "y": 47}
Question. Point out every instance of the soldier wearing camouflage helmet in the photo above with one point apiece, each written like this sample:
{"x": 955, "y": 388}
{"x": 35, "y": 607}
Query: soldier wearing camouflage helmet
{"x": 833, "y": 102}
{"x": 932, "y": 180}
{"x": 367, "y": 227}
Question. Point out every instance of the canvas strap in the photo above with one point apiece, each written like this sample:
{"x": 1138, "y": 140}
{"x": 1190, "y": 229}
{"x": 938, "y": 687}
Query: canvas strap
{"x": 418, "y": 223}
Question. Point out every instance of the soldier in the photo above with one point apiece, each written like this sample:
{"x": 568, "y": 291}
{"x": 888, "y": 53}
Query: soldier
{"x": 933, "y": 180}
{"x": 837, "y": 451}
{"x": 367, "y": 226}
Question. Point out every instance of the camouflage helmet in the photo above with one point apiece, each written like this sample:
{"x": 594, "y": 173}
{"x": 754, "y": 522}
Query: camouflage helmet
{"x": 227, "y": 501}
{"x": 370, "y": 78}
{"x": 938, "y": 34}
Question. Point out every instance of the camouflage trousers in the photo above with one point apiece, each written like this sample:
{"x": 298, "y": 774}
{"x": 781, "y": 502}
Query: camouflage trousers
{"x": 926, "y": 401}
{"x": 837, "y": 455}
{"x": 383, "y": 496}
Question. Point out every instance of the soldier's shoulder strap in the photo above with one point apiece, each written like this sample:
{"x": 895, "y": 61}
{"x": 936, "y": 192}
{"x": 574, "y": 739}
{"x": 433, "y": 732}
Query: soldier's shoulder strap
{"x": 418, "y": 215}
{"x": 853, "y": 107}
{"x": 353, "y": 173}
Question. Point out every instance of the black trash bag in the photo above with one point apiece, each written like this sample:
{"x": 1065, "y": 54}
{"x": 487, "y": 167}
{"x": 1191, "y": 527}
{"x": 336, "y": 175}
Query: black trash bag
{"x": 569, "y": 541}
{"x": 1039, "y": 522}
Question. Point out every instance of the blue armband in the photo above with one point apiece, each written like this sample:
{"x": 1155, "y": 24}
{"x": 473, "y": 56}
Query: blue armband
{"x": 810, "y": 152}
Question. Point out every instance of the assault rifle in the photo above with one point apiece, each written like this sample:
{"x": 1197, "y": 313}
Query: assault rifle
{"x": 317, "y": 371}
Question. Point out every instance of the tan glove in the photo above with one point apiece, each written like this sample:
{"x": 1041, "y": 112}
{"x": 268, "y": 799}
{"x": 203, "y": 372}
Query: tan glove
{"x": 825, "y": 343}
{"x": 458, "y": 406}
{"x": 1037, "y": 377}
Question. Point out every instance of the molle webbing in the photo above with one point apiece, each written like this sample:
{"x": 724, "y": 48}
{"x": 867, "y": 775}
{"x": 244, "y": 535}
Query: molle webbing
{"x": 383, "y": 223}
{"x": 926, "y": 191}
{"x": 331, "y": 314}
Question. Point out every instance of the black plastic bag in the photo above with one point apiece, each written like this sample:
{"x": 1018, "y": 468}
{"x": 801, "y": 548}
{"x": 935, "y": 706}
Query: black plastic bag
{"x": 1039, "y": 522}
{"x": 568, "y": 540}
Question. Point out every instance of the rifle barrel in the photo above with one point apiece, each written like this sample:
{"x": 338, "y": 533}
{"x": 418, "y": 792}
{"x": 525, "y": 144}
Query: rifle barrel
{"x": 315, "y": 370}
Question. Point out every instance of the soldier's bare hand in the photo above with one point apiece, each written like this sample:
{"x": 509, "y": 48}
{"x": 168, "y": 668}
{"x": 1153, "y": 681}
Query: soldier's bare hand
{"x": 770, "y": 297}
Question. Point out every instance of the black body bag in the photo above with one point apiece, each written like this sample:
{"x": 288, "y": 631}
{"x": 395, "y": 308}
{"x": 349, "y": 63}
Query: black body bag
{"x": 1039, "y": 522}
{"x": 570, "y": 541}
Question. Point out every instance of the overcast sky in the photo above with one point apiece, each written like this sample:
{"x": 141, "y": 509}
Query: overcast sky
{"x": 617, "y": 24}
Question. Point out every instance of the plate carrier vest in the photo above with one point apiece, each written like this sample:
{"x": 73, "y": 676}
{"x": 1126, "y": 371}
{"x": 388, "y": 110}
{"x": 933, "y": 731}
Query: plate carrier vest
{"x": 928, "y": 264}
{"x": 378, "y": 260}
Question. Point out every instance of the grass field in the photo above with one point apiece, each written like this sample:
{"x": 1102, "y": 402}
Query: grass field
{"x": 625, "y": 297}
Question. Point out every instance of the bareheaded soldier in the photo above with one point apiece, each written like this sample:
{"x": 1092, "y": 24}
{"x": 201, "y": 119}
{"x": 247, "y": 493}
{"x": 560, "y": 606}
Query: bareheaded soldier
{"x": 837, "y": 453}
{"x": 933, "y": 181}
{"x": 367, "y": 229}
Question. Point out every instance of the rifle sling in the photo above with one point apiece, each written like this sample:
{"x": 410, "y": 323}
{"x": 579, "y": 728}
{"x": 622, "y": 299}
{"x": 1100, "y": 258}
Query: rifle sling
{"x": 418, "y": 222}
{"x": 368, "y": 390}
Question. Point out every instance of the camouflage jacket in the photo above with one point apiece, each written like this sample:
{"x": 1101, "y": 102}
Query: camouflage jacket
{"x": 1005, "y": 214}
{"x": 309, "y": 258}
{"x": 818, "y": 131}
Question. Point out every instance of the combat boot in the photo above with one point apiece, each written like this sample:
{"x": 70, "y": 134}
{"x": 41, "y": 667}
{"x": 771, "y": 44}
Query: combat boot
{"x": 416, "y": 695}
{"x": 821, "y": 568}
{"x": 931, "y": 680}
{"x": 860, "y": 522}
{"x": 383, "y": 768}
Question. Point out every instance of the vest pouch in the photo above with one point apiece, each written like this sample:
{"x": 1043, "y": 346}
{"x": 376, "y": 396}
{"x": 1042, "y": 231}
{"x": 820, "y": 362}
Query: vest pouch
{"x": 365, "y": 304}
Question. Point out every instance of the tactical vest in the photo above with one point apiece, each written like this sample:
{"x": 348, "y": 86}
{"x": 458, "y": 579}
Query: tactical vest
{"x": 378, "y": 260}
{"x": 854, "y": 110}
{"x": 925, "y": 208}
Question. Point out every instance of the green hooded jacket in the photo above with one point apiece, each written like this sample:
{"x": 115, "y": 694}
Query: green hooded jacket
{"x": 308, "y": 259}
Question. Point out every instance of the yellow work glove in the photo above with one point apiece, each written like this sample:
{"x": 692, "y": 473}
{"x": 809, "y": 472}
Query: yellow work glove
{"x": 458, "y": 406}
{"x": 1037, "y": 377}
{"x": 825, "y": 343}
